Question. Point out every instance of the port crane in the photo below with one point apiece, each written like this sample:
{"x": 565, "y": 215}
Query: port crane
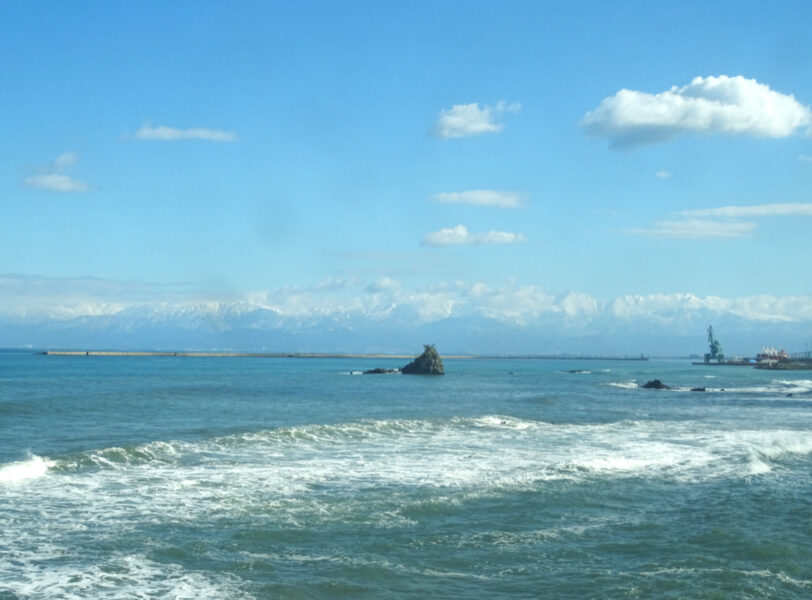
{"x": 715, "y": 348}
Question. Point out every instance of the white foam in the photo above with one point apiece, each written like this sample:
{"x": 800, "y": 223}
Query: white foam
{"x": 627, "y": 385}
{"x": 321, "y": 474}
{"x": 120, "y": 578}
{"x": 795, "y": 386}
{"x": 757, "y": 466}
{"x": 32, "y": 468}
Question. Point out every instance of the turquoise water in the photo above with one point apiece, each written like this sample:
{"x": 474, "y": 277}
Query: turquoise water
{"x": 296, "y": 478}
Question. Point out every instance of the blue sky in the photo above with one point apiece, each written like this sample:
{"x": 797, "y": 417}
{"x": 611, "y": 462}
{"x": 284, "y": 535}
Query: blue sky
{"x": 378, "y": 154}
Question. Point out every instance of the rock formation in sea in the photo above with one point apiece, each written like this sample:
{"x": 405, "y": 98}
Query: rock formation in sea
{"x": 655, "y": 384}
{"x": 428, "y": 363}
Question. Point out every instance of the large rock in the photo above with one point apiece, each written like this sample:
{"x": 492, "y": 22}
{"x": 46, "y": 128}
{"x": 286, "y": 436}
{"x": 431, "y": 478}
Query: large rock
{"x": 428, "y": 363}
{"x": 655, "y": 384}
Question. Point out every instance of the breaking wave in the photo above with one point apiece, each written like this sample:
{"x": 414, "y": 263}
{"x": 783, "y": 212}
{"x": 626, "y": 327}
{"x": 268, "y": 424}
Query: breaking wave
{"x": 492, "y": 451}
{"x": 32, "y": 468}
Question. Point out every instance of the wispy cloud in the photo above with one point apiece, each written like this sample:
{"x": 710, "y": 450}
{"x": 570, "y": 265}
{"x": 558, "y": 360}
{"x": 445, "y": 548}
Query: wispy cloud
{"x": 663, "y": 174}
{"x": 805, "y": 158}
{"x": 65, "y": 161}
{"x": 695, "y": 223}
{"x": 56, "y": 182}
{"x": 52, "y": 178}
{"x": 464, "y": 120}
{"x": 384, "y": 285}
{"x": 759, "y": 210}
{"x": 501, "y": 199}
{"x": 170, "y": 134}
{"x": 731, "y": 105}
{"x": 697, "y": 229}
{"x": 460, "y": 236}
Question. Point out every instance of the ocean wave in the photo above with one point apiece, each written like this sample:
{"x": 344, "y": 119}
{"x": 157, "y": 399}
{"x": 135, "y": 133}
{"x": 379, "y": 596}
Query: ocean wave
{"x": 385, "y": 475}
{"x": 776, "y": 387}
{"x": 457, "y": 452}
{"x": 626, "y": 385}
{"x": 31, "y": 468}
{"x": 118, "y": 577}
{"x": 795, "y": 386}
{"x": 116, "y": 457}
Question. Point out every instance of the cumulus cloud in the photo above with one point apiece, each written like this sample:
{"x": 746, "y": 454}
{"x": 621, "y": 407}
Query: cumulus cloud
{"x": 759, "y": 210}
{"x": 459, "y": 235}
{"x": 577, "y": 304}
{"x": 55, "y": 305}
{"x": 464, "y": 120}
{"x": 501, "y": 199}
{"x": 730, "y": 105}
{"x": 697, "y": 229}
{"x": 52, "y": 178}
{"x": 168, "y": 134}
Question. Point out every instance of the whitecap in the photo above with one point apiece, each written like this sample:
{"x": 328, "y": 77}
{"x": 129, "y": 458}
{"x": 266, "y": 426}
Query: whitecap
{"x": 32, "y": 468}
{"x": 123, "y": 577}
{"x": 626, "y": 385}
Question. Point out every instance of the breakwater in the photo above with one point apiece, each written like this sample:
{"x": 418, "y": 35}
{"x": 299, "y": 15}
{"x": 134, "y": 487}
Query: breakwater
{"x": 193, "y": 354}
{"x": 215, "y": 354}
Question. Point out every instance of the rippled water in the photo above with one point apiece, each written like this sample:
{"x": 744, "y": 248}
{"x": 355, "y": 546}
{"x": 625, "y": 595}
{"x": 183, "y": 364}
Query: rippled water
{"x": 292, "y": 478}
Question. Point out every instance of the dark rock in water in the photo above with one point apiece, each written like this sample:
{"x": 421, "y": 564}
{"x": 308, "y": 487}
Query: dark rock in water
{"x": 655, "y": 384}
{"x": 428, "y": 363}
{"x": 699, "y": 389}
{"x": 380, "y": 371}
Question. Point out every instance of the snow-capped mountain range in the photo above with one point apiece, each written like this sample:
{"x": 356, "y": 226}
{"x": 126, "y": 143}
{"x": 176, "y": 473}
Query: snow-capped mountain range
{"x": 386, "y": 317}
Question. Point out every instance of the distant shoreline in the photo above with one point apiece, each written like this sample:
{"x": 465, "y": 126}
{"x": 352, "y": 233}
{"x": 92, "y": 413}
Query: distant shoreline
{"x": 188, "y": 354}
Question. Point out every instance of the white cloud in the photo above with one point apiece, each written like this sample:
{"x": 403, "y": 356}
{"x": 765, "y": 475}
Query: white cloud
{"x": 731, "y": 105}
{"x": 464, "y": 120}
{"x": 163, "y": 133}
{"x": 760, "y": 210}
{"x": 663, "y": 174}
{"x": 55, "y": 182}
{"x": 42, "y": 301}
{"x": 675, "y": 307}
{"x": 576, "y": 304}
{"x": 697, "y": 229}
{"x": 334, "y": 283}
{"x": 805, "y": 158}
{"x": 383, "y": 285}
{"x": 52, "y": 180}
{"x": 501, "y": 199}
{"x": 459, "y": 235}
{"x": 65, "y": 161}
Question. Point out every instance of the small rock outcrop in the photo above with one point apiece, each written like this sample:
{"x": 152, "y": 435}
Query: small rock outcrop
{"x": 655, "y": 384}
{"x": 380, "y": 371}
{"x": 428, "y": 363}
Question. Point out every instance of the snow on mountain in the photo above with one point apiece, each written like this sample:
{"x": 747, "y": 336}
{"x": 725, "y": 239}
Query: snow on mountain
{"x": 630, "y": 325}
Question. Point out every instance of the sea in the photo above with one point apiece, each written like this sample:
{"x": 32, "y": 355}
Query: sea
{"x": 253, "y": 478}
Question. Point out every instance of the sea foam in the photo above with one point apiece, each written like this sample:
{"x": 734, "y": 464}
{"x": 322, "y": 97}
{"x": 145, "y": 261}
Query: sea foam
{"x": 32, "y": 468}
